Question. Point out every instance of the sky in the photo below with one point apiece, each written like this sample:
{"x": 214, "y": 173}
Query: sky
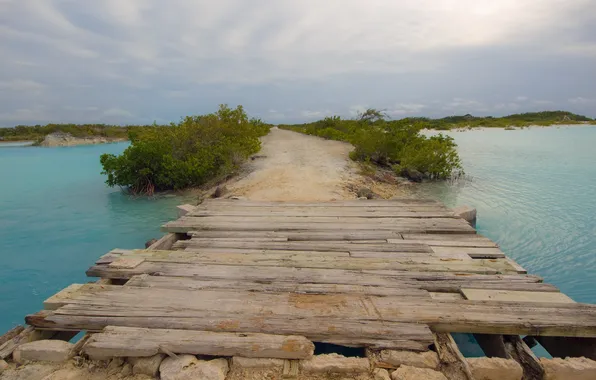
{"x": 287, "y": 61}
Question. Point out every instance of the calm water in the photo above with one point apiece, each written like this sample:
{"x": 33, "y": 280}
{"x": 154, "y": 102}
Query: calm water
{"x": 535, "y": 191}
{"x": 57, "y": 217}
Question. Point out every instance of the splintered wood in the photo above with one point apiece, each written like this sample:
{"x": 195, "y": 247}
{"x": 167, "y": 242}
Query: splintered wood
{"x": 264, "y": 279}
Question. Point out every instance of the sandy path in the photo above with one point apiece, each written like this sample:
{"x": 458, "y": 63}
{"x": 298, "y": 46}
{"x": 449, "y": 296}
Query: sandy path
{"x": 297, "y": 167}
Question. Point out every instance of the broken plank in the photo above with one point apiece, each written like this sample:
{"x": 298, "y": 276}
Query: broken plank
{"x": 515, "y": 296}
{"x": 116, "y": 341}
{"x": 165, "y": 242}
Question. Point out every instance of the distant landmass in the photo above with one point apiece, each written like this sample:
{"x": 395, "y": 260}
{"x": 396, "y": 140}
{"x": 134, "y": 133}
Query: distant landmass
{"x": 106, "y": 132}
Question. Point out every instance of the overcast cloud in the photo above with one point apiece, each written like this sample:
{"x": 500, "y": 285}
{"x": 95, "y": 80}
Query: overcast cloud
{"x": 131, "y": 61}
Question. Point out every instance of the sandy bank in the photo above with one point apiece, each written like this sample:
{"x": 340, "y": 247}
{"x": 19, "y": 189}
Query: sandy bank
{"x": 296, "y": 167}
{"x": 66, "y": 139}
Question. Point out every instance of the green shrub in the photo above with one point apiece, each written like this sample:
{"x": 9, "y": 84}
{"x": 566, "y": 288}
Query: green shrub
{"x": 396, "y": 144}
{"x": 187, "y": 154}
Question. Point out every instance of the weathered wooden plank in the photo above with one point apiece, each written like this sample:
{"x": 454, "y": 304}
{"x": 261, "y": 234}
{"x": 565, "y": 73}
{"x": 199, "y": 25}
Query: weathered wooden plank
{"x": 127, "y": 262}
{"x": 58, "y": 299}
{"x": 403, "y": 246}
{"x": 453, "y": 364}
{"x": 474, "y": 252}
{"x": 329, "y": 329}
{"x": 24, "y": 336}
{"x": 380, "y": 344}
{"x": 116, "y": 341}
{"x": 10, "y": 334}
{"x": 401, "y": 289}
{"x": 316, "y": 212}
{"x": 445, "y": 237}
{"x": 151, "y": 262}
{"x": 492, "y": 317}
{"x": 298, "y": 220}
{"x": 342, "y": 203}
{"x": 330, "y": 235}
{"x": 521, "y": 353}
{"x": 518, "y": 267}
{"x": 165, "y": 242}
{"x": 396, "y": 287}
{"x": 443, "y": 226}
{"x": 304, "y": 275}
{"x": 515, "y": 296}
{"x": 445, "y": 296}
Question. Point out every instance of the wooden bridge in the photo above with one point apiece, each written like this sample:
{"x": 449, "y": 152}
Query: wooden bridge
{"x": 265, "y": 279}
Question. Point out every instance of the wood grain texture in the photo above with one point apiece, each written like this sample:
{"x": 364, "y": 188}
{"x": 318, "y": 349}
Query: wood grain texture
{"x": 116, "y": 341}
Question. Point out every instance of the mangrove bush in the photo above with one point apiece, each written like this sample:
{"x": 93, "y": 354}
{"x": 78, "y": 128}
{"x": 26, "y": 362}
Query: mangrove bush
{"x": 185, "y": 154}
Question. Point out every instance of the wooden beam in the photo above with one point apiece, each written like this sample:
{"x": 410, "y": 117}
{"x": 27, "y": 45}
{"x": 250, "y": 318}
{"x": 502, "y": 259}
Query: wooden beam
{"x": 453, "y": 364}
{"x": 521, "y": 353}
{"x": 567, "y": 346}
{"x": 140, "y": 342}
{"x": 492, "y": 345}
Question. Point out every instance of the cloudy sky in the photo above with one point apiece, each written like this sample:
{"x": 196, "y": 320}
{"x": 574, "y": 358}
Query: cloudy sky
{"x": 131, "y": 61}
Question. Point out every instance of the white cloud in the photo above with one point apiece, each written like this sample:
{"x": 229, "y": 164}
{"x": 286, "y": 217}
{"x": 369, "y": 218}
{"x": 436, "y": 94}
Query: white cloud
{"x": 582, "y": 101}
{"x": 521, "y": 98}
{"x": 118, "y": 112}
{"x": 405, "y": 109}
{"x": 22, "y": 85}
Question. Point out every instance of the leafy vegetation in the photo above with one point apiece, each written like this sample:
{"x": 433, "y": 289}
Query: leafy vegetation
{"x": 38, "y": 132}
{"x": 186, "y": 154}
{"x": 397, "y": 144}
{"x": 545, "y": 118}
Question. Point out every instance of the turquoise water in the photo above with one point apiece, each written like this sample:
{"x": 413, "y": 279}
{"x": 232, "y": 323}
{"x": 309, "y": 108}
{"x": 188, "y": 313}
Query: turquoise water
{"x": 535, "y": 191}
{"x": 57, "y": 217}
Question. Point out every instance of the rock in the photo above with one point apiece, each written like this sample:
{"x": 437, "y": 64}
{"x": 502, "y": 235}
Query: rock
{"x": 31, "y": 371}
{"x": 394, "y": 359}
{"x": 569, "y": 368}
{"x": 184, "y": 209}
{"x": 126, "y": 370}
{"x": 495, "y": 369}
{"x": 412, "y": 175}
{"x": 188, "y": 367}
{"x": 43, "y": 350}
{"x": 3, "y": 365}
{"x": 381, "y": 374}
{"x": 241, "y": 362}
{"x": 146, "y": 366}
{"x": 335, "y": 363}
{"x": 66, "y": 139}
{"x": 412, "y": 373}
{"x": 115, "y": 366}
{"x": 219, "y": 192}
{"x": 467, "y": 213}
{"x": 365, "y": 192}
{"x": 149, "y": 243}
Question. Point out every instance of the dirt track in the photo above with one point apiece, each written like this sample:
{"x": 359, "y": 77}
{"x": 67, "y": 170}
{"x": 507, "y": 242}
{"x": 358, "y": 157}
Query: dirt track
{"x": 296, "y": 167}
